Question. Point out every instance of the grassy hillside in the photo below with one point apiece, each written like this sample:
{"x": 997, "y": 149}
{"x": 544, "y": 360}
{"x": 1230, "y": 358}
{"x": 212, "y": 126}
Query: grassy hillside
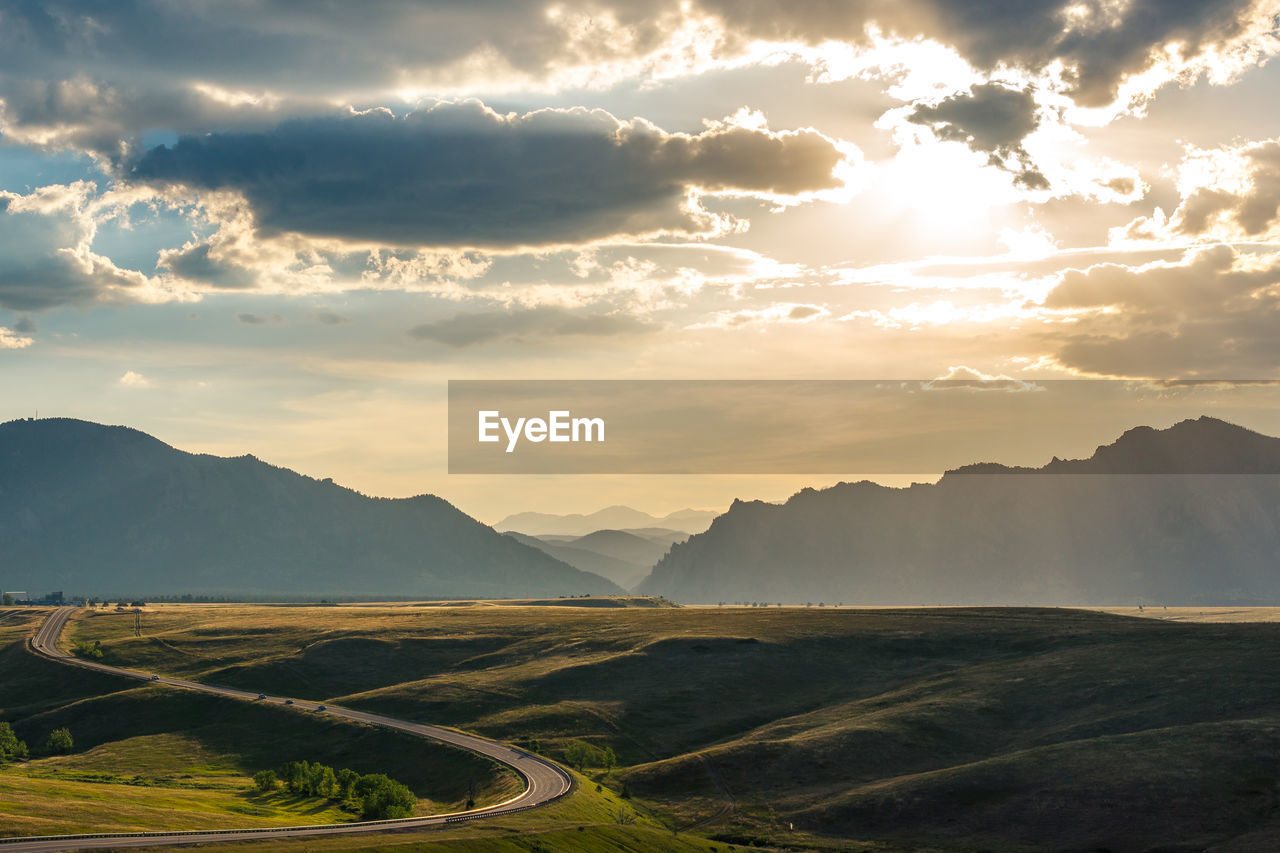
{"x": 149, "y": 757}
{"x": 946, "y": 728}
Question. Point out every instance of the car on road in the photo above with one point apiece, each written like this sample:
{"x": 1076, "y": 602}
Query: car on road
{"x": 262, "y": 696}
{"x": 155, "y": 678}
{"x": 288, "y": 701}
{"x": 321, "y": 708}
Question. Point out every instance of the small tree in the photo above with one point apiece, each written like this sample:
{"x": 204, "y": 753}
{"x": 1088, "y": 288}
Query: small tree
{"x": 7, "y": 600}
{"x": 580, "y": 755}
{"x": 59, "y": 742}
{"x": 326, "y": 782}
{"x": 347, "y": 779}
{"x": 265, "y": 781}
{"x": 292, "y": 774}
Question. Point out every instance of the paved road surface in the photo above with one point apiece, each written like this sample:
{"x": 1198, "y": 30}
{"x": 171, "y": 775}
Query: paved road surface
{"x": 544, "y": 781}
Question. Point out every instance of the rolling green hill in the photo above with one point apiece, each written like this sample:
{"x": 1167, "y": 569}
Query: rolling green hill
{"x": 943, "y": 729}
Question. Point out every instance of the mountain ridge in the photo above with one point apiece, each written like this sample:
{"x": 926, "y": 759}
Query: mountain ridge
{"x": 103, "y": 510}
{"x": 1020, "y": 535}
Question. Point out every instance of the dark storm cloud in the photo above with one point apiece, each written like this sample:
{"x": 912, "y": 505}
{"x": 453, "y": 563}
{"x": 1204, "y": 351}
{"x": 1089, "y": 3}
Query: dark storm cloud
{"x": 459, "y": 174}
{"x": 465, "y": 330}
{"x": 991, "y": 119}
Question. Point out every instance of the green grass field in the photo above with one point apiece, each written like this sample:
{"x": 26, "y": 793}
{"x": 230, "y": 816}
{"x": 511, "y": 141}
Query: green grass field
{"x": 950, "y": 729}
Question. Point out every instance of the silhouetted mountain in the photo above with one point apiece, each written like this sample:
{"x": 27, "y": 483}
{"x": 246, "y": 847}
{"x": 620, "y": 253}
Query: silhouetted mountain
{"x": 98, "y": 510}
{"x": 621, "y": 556}
{"x": 609, "y": 518}
{"x": 621, "y": 572}
{"x": 1190, "y": 514}
{"x": 623, "y": 546}
{"x": 1202, "y": 446}
{"x": 659, "y": 535}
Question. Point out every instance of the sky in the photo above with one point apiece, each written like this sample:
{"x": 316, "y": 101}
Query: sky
{"x": 280, "y": 228}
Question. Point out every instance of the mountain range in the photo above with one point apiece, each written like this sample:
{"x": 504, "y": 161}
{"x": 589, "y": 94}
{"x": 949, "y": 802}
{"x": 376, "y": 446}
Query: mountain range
{"x": 609, "y": 518}
{"x": 108, "y": 510}
{"x": 1184, "y": 515}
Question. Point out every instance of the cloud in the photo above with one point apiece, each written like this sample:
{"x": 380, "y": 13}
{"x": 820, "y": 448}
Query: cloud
{"x": 133, "y": 379}
{"x": 25, "y": 325}
{"x": 781, "y": 312}
{"x": 259, "y": 319}
{"x": 10, "y": 339}
{"x": 329, "y": 318}
{"x": 963, "y": 377}
{"x": 991, "y": 119}
{"x": 463, "y": 175}
{"x": 194, "y": 262}
{"x": 1097, "y": 44}
{"x": 45, "y": 251}
{"x": 313, "y": 50}
{"x": 1212, "y": 314}
{"x": 466, "y": 330}
{"x": 1236, "y": 192}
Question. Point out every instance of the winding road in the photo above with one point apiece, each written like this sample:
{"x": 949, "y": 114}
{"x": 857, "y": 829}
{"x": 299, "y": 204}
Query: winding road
{"x": 544, "y": 781}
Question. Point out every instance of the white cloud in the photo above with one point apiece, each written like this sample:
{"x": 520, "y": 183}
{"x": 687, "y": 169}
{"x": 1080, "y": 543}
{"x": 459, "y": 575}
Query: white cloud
{"x": 10, "y": 339}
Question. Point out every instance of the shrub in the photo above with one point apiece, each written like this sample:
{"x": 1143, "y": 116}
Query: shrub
{"x": 86, "y": 649}
{"x": 59, "y": 742}
{"x": 381, "y": 798}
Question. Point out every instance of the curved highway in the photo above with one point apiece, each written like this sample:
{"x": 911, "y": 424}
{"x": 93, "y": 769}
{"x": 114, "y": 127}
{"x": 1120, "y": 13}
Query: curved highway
{"x": 544, "y": 781}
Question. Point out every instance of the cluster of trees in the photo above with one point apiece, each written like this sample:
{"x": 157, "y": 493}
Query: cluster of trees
{"x": 377, "y": 796}
{"x": 59, "y": 742}
{"x": 581, "y": 754}
{"x": 10, "y": 746}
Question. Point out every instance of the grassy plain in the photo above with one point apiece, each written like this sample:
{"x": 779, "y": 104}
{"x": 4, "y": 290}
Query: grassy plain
{"x": 947, "y": 728}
